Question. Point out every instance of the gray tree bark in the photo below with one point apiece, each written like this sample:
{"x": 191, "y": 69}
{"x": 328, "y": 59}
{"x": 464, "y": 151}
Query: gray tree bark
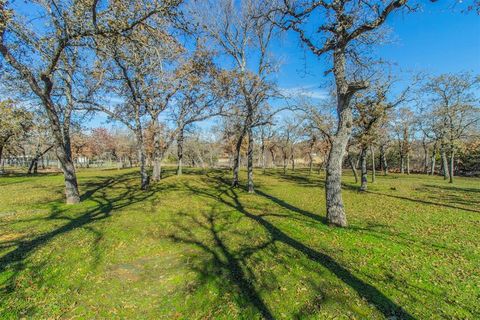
{"x": 363, "y": 166}
{"x": 250, "y": 161}
{"x": 142, "y": 159}
{"x": 372, "y": 152}
{"x": 333, "y": 182}
{"x": 452, "y": 164}
{"x": 236, "y": 161}
{"x": 180, "y": 140}
{"x": 433, "y": 159}
{"x": 443, "y": 155}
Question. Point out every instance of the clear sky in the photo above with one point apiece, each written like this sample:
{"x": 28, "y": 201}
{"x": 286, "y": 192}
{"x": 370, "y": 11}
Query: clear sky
{"x": 436, "y": 39}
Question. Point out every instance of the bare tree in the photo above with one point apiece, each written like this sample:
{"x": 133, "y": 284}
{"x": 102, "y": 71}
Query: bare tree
{"x": 346, "y": 26}
{"x": 453, "y": 110}
{"x": 49, "y": 60}
{"x": 245, "y": 40}
{"x": 371, "y": 111}
{"x": 136, "y": 69}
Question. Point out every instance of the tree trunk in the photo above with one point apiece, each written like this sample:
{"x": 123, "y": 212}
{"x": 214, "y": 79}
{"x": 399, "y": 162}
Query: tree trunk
{"x": 402, "y": 163}
{"x": 452, "y": 164}
{"x": 425, "y": 157}
{"x": 363, "y": 166}
{"x": 180, "y": 140}
{"x": 34, "y": 163}
{"x": 264, "y": 164}
{"x": 408, "y": 162}
{"x": 333, "y": 184}
{"x": 354, "y": 170}
{"x": 310, "y": 162}
{"x": 236, "y": 161}
{"x": 446, "y": 174}
{"x": 250, "y": 162}
{"x": 71, "y": 186}
{"x": 142, "y": 158}
{"x": 433, "y": 159}
{"x": 157, "y": 169}
{"x": 432, "y": 164}
{"x": 284, "y": 162}
{"x": 1, "y": 154}
{"x": 273, "y": 155}
{"x": 293, "y": 161}
{"x": 157, "y": 157}
{"x": 372, "y": 152}
{"x": 383, "y": 160}
{"x": 3, "y": 143}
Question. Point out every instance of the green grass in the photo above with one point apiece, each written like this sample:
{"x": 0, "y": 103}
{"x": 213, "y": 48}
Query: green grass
{"x": 192, "y": 248}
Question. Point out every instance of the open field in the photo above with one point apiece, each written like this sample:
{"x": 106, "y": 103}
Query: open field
{"x": 193, "y": 248}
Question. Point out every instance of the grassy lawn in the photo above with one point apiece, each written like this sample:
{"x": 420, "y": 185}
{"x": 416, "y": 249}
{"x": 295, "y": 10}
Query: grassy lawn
{"x": 192, "y": 248}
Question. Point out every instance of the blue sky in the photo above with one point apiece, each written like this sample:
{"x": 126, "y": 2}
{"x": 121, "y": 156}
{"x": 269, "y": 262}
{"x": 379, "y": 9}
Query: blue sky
{"x": 436, "y": 39}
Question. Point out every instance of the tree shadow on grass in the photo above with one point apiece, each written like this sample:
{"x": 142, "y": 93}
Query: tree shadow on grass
{"x": 436, "y": 200}
{"x": 298, "y": 177}
{"x": 291, "y": 207}
{"x": 14, "y": 261}
{"x": 459, "y": 196}
{"x": 226, "y": 265}
{"x": 427, "y": 202}
{"x": 229, "y": 197}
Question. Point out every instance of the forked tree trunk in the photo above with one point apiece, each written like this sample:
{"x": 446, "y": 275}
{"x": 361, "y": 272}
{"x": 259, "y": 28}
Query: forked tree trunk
{"x": 34, "y": 163}
{"x": 372, "y": 152}
{"x": 180, "y": 140}
{"x": 250, "y": 162}
{"x": 333, "y": 184}
{"x": 363, "y": 166}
